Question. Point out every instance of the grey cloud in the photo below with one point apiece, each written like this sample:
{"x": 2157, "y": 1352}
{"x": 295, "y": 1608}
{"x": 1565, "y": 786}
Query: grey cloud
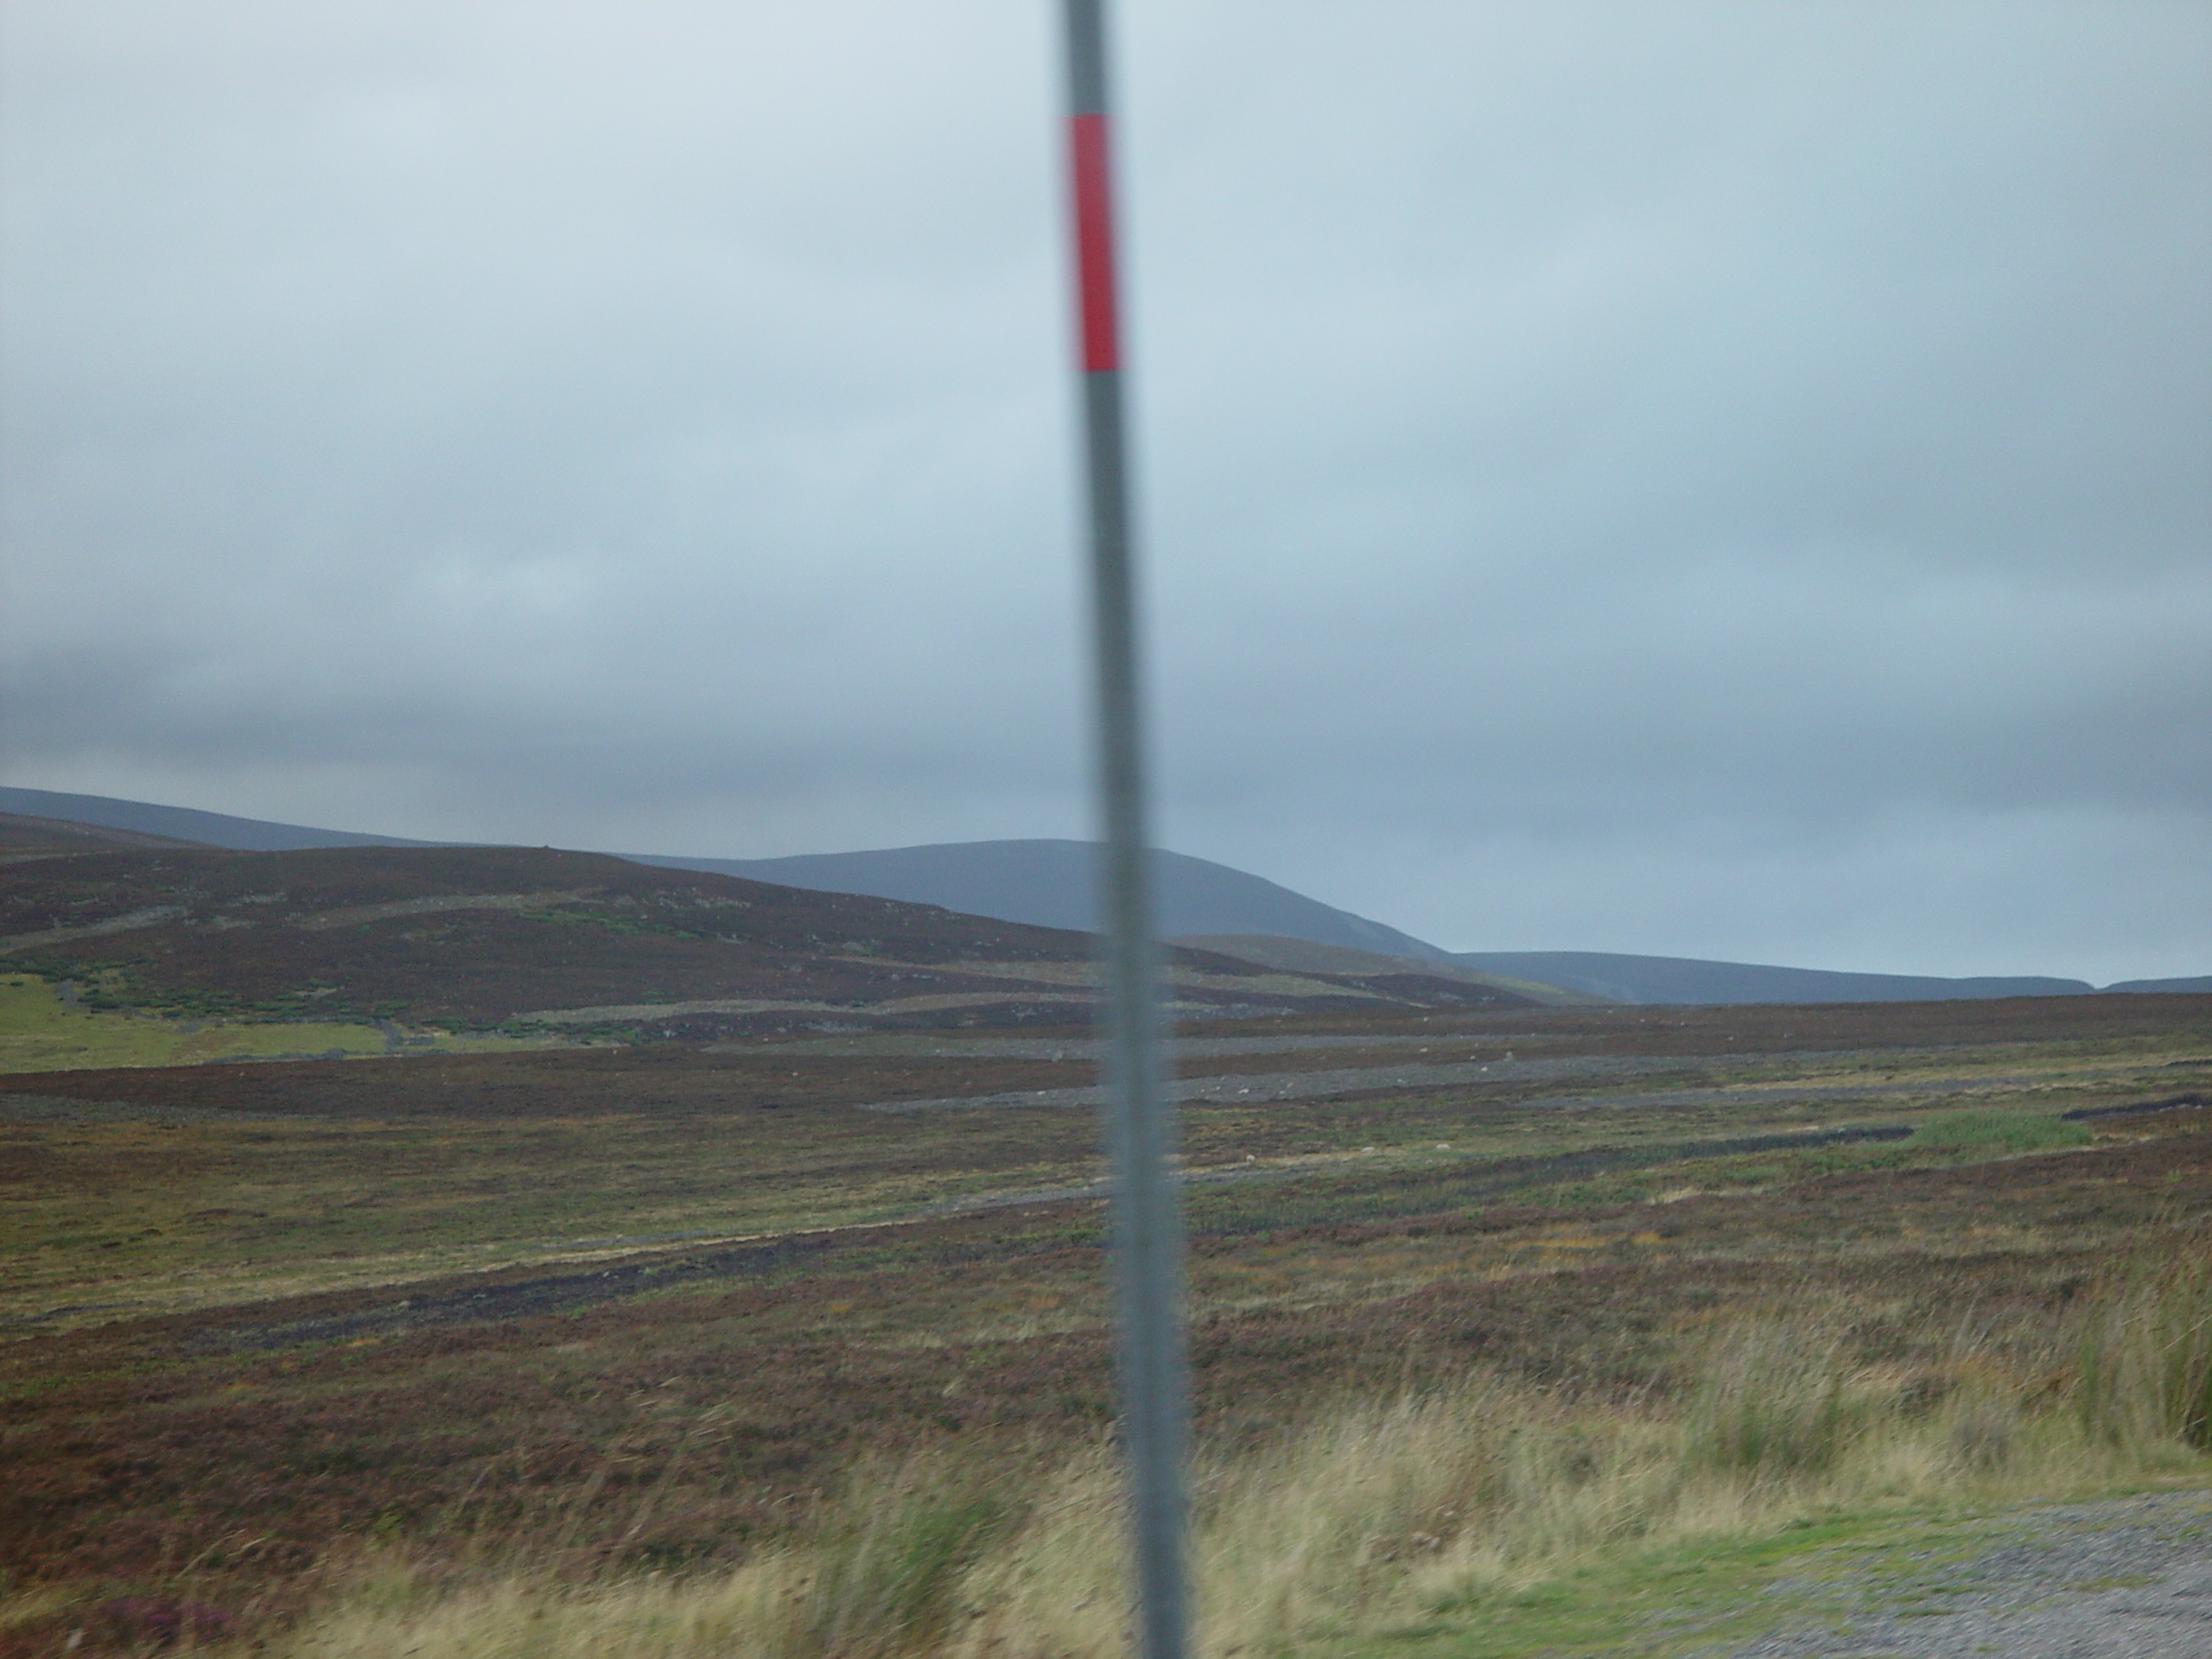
{"x": 1722, "y": 479}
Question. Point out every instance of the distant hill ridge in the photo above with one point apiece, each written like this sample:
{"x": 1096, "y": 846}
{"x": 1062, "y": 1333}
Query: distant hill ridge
{"x": 188, "y": 824}
{"x": 22, "y": 836}
{"x": 1686, "y": 980}
{"x": 1054, "y": 884}
{"x": 1051, "y": 883}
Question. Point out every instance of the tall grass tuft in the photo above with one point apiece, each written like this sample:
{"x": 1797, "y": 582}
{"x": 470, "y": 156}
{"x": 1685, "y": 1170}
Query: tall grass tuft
{"x": 2142, "y": 1351}
{"x": 1769, "y": 1399}
{"x": 889, "y": 1583}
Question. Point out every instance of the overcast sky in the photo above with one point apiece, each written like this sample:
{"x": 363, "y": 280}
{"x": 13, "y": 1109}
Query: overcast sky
{"x": 1727, "y": 481}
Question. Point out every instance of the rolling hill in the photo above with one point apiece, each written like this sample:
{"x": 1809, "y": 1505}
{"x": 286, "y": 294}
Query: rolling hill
{"x": 1372, "y": 967}
{"x": 480, "y": 938}
{"x": 1054, "y": 884}
{"x": 1043, "y": 883}
{"x": 185, "y": 823}
{"x": 1050, "y": 884}
{"x": 23, "y": 837}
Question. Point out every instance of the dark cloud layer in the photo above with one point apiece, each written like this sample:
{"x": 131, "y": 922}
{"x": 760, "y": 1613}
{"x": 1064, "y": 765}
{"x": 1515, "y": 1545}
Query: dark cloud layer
{"x": 1717, "y": 479}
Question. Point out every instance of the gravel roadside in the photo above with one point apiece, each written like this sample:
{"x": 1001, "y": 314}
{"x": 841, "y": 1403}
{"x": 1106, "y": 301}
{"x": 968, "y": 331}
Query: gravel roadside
{"x": 2124, "y": 1578}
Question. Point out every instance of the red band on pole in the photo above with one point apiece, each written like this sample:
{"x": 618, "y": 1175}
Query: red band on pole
{"x": 1094, "y": 241}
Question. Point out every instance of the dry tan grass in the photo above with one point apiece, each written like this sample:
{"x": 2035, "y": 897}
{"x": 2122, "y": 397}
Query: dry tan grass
{"x": 748, "y": 1613}
{"x": 2142, "y": 1351}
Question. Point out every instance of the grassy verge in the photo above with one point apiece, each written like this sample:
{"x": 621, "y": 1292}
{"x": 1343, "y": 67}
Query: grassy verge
{"x": 1819, "y": 1570}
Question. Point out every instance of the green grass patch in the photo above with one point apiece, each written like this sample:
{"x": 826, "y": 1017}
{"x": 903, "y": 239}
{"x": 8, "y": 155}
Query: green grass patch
{"x": 1985, "y": 1132}
{"x": 40, "y": 1031}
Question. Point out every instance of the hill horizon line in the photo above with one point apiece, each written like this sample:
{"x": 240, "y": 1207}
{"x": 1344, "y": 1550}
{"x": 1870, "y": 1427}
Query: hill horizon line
{"x": 1048, "y": 881}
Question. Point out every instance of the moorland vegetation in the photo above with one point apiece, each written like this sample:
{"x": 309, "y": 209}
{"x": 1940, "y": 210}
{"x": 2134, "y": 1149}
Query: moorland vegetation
{"x": 1512, "y": 1328}
{"x": 537, "y": 945}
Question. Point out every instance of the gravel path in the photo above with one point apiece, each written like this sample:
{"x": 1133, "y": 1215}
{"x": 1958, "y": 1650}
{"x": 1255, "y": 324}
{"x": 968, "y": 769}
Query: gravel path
{"x": 2126, "y": 1578}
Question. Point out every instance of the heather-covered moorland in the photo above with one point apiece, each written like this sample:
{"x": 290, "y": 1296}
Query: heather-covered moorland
{"x": 800, "y": 1343}
{"x": 545, "y": 945}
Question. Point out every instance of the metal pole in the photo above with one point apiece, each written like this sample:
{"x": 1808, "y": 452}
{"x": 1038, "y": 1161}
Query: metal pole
{"x": 1147, "y": 1201}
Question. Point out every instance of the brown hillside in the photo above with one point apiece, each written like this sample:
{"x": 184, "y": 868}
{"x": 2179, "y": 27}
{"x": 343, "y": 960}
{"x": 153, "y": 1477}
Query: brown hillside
{"x": 22, "y": 836}
{"x": 1376, "y": 970}
{"x": 484, "y": 936}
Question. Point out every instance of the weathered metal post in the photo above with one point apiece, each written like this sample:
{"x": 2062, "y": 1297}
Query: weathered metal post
{"x": 1148, "y": 1203}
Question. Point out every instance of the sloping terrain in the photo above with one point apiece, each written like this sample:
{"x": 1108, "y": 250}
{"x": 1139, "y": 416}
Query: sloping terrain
{"x": 1044, "y": 883}
{"x": 185, "y": 823}
{"x": 483, "y": 938}
{"x": 1375, "y": 968}
{"x": 1051, "y": 883}
{"x": 1055, "y": 884}
{"x": 24, "y": 837}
